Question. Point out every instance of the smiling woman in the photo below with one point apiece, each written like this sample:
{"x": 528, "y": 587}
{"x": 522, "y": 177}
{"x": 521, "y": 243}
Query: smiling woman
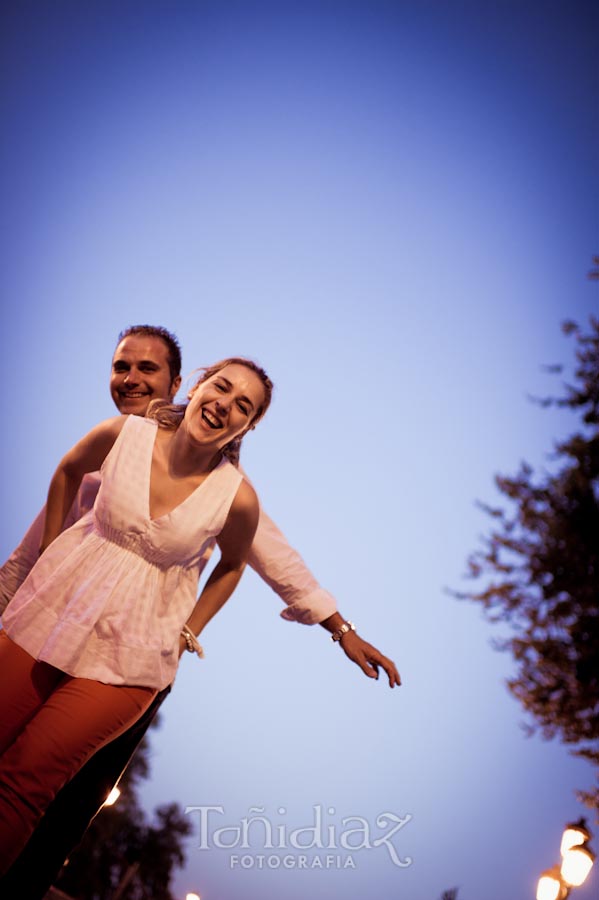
{"x": 99, "y": 624}
{"x": 231, "y": 394}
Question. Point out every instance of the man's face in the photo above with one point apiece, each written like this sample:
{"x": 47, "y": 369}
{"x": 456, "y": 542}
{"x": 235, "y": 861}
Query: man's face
{"x": 140, "y": 373}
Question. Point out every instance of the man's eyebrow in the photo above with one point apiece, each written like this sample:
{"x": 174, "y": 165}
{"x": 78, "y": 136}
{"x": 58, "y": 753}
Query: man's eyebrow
{"x": 229, "y": 385}
{"x": 119, "y": 361}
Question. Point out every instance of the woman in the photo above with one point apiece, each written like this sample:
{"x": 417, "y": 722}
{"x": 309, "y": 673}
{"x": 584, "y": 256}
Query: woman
{"x": 98, "y": 626}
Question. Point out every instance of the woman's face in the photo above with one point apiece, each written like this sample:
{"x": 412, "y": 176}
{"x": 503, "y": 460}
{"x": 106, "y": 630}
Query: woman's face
{"x": 224, "y": 406}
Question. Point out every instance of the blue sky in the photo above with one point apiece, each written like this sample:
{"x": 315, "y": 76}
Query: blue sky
{"x": 392, "y": 206}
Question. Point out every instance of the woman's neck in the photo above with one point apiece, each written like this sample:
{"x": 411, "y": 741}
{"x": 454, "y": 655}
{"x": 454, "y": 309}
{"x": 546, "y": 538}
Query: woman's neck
{"x": 186, "y": 458}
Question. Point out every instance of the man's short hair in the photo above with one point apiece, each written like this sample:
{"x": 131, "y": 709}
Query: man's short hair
{"x": 168, "y": 338}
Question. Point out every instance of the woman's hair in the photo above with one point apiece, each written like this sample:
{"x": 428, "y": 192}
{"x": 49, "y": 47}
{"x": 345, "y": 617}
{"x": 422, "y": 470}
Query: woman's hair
{"x": 170, "y": 415}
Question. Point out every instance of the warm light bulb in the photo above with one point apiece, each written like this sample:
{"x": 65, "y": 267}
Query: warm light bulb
{"x": 192, "y": 897}
{"x": 112, "y": 797}
{"x": 576, "y": 865}
{"x": 573, "y": 836}
{"x": 548, "y": 887}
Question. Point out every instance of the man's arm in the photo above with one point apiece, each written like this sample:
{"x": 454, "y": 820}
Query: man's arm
{"x": 18, "y": 565}
{"x": 360, "y": 651}
{"x": 284, "y": 570}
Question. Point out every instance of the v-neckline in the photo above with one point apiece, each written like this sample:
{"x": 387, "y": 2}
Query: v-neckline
{"x": 166, "y": 515}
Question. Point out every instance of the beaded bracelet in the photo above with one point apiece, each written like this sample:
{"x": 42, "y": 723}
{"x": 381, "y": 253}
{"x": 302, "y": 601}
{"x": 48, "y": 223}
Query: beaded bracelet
{"x": 191, "y": 642}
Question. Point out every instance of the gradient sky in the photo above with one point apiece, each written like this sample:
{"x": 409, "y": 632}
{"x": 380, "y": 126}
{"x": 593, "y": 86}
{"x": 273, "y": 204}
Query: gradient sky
{"x": 392, "y": 206}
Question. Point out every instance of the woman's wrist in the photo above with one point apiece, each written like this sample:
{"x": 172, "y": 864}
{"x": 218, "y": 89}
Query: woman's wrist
{"x": 191, "y": 642}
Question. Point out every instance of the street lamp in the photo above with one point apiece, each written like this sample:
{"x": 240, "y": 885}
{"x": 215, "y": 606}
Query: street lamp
{"x": 574, "y": 834}
{"x": 576, "y": 865}
{"x": 549, "y": 886}
{"x": 577, "y": 862}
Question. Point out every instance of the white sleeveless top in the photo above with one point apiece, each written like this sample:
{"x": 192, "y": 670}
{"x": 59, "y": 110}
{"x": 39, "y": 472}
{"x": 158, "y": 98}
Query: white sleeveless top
{"x": 108, "y": 598}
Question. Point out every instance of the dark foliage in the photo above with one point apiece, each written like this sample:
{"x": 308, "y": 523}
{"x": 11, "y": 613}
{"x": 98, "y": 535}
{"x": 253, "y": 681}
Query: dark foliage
{"x": 123, "y": 856}
{"x": 538, "y": 569}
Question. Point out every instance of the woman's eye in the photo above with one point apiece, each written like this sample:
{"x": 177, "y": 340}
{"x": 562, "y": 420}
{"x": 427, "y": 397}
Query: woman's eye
{"x": 221, "y": 387}
{"x": 242, "y": 408}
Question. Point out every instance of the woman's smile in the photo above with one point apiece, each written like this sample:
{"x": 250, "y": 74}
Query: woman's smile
{"x": 211, "y": 419}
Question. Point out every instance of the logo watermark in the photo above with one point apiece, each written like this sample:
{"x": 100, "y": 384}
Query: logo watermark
{"x": 333, "y": 845}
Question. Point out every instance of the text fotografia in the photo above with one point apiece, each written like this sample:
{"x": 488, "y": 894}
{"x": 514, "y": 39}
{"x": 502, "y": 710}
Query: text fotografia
{"x": 352, "y": 835}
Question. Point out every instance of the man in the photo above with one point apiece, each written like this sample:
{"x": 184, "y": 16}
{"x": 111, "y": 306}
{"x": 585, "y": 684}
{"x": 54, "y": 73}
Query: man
{"x": 146, "y": 366}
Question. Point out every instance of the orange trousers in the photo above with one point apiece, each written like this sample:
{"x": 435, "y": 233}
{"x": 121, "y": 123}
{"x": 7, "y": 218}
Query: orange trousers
{"x": 50, "y": 725}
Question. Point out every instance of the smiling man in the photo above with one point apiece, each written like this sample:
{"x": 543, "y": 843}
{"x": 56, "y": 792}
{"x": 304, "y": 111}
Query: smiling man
{"x": 146, "y": 366}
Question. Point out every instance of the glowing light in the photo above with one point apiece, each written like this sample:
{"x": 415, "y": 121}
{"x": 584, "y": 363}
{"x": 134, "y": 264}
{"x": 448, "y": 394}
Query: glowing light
{"x": 549, "y": 887}
{"x": 112, "y": 797}
{"x": 576, "y": 865}
{"x": 573, "y": 836}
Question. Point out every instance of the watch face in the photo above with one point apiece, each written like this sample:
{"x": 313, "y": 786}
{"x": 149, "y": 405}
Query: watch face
{"x": 343, "y": 629}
